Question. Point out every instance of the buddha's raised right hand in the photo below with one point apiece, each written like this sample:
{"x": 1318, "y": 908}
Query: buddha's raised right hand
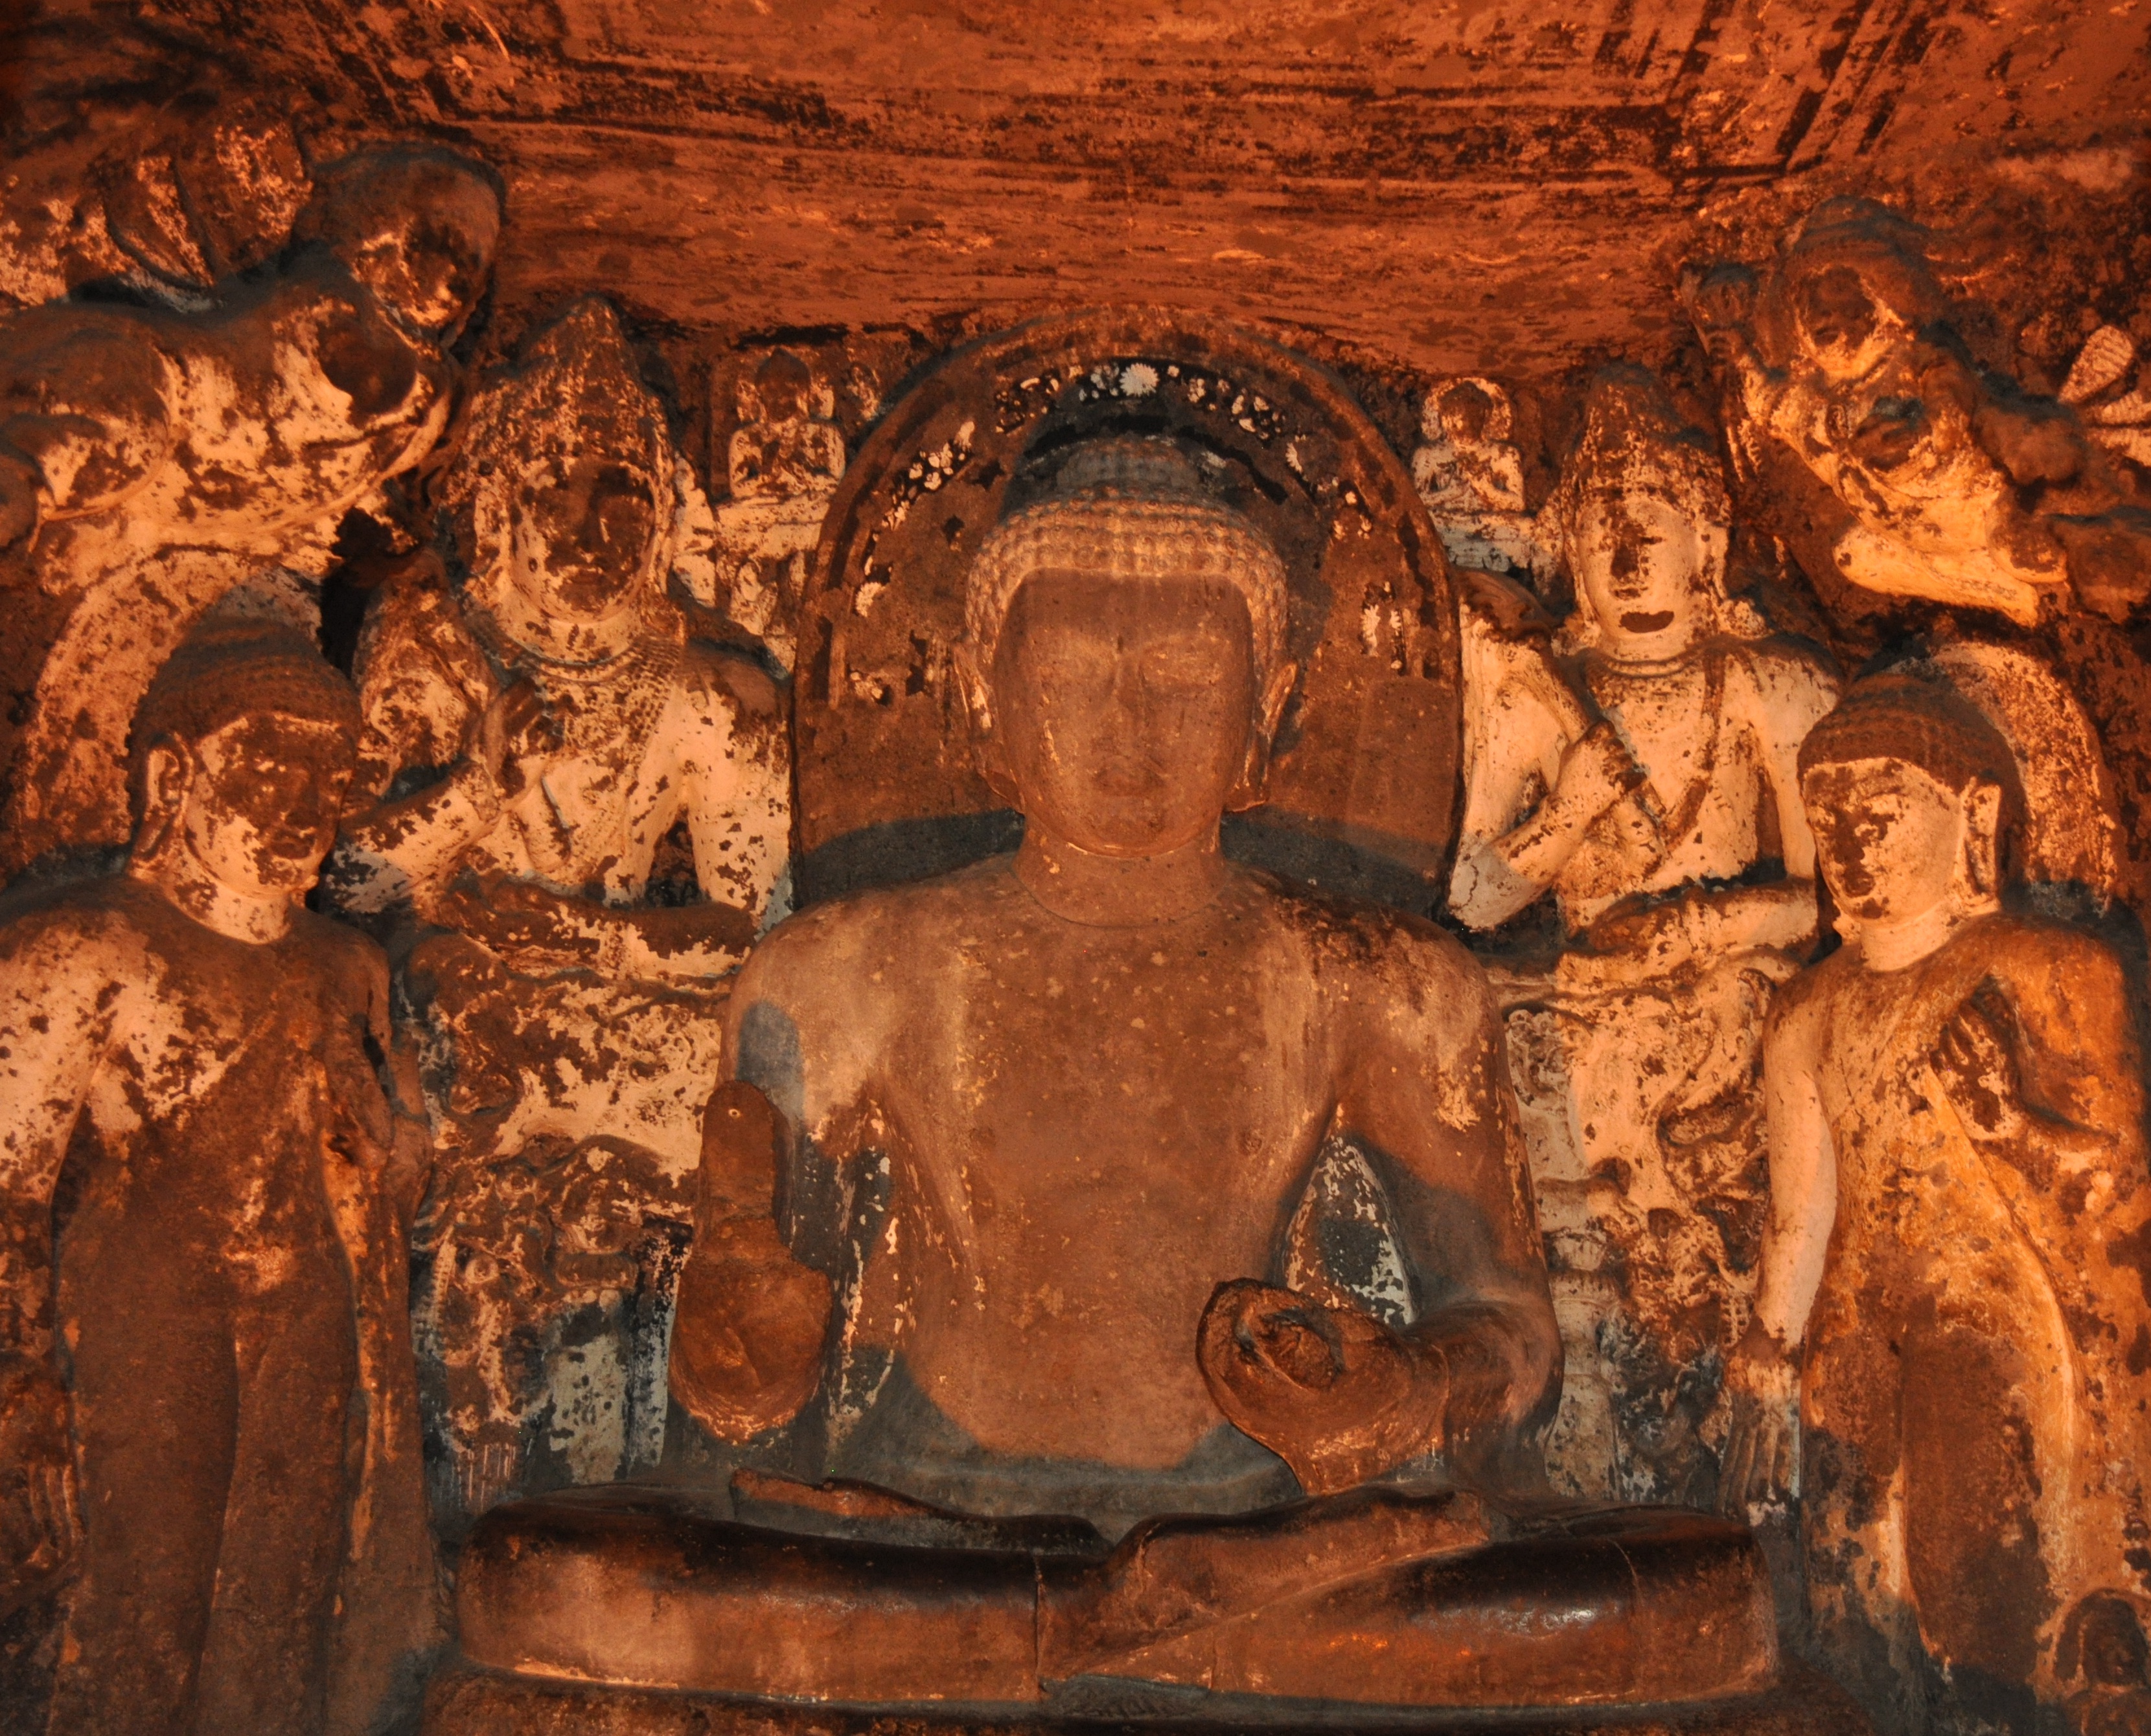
{"x": 1335, "y": 1393}
{"x": 751, "y": 1323}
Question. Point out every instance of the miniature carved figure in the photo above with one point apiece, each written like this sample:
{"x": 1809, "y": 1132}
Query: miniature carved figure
{"x": 593, "y": 804}
{"x": 150, "y": 460}
{"x": 1959, "y": 488}
{"x": 983, "y": 1291}
{"x": 205, "y": 1186}
{"x": 1956, "y": 1272}
{"x": 1668, "y": 827}
{"x": 1471, "y": 477}
{"x": 784, "y": 461}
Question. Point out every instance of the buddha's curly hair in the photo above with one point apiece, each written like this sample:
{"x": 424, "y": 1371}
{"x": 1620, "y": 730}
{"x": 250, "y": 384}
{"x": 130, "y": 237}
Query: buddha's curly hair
{"x": 1918, "y": 721}
{"x": 1134, "y": 504}
{"x": 231, "y": 667}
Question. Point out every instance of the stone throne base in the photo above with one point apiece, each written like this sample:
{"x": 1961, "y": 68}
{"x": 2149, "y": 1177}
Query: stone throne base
{"x": 646, "y": 1612}
{"x": 467, "y": 1702}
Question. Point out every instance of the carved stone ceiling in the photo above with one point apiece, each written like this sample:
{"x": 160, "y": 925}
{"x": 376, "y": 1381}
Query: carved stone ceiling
{"x": 1452, "y": 182}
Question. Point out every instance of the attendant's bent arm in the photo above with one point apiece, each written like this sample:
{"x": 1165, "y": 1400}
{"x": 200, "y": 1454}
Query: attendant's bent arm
{"x": 1495, "y": 877}
{"x": 1802, "y": 1187}
{"x": 1430, "y": 1092}
{"x": 59, "y": 1003}
{"x": 1781, "y": 916}
{"x": 388, "y": 854}
{"x": 738, "y": 798}
{"x": 1789, "y": 695}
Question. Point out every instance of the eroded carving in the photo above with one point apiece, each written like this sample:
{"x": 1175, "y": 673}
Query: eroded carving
{"x": 1954, "y": 1277}
{"x": 1659, "y": 805}
{"x": 1471, "y": 475}
{"x": 1950, "y": 484}
{"x": 783, "y": 462}
{"x": 208, "y": 1165}
{"x": 983, "y": 1293}
{"x": 150, "y": 459}
{"x": 584, "y": 808}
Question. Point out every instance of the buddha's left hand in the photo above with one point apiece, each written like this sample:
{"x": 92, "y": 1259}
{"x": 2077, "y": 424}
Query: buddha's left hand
{"x": 1335, "y": 1393}
{"x": 1975, "y": 1060}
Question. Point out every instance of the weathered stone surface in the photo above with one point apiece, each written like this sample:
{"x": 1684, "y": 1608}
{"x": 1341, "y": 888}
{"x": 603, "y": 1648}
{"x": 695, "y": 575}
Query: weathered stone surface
{"x": 1601, "y": 385}
{"x": 152, "y": 460}
{"x": 1361, "y": 794}
{"x": 1960, "y": 1204}
{"x": 211, "y": 1157}
{"x": 543, "y": 723}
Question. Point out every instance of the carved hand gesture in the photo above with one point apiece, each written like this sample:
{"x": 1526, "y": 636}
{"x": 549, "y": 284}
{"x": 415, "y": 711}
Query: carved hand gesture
{"x": 747, "y": 1337}
{"x": 514, "y": 736}
{"x": 1335, "y": 1393}
{"x": 1596, "y": 772}
{"x": 1758, "y": 1449}
{"x": 1891, "y": 430}
{"x": 1976, "y": 1060}
{"x": 39, "y": 1524}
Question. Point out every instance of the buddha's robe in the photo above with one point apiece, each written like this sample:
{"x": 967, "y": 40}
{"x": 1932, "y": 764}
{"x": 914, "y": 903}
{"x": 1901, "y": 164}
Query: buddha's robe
{"x": 230, "y": 1269}
{"x": 1977, "y": 1393}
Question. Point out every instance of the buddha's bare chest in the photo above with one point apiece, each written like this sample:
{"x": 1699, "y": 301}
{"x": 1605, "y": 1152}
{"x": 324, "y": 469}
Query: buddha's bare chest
{"x": 1077, "y": 1090}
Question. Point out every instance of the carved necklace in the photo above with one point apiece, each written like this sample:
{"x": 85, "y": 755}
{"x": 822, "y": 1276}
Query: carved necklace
{"x": 608, "y": 709}
{"x": 1697, "y": 789}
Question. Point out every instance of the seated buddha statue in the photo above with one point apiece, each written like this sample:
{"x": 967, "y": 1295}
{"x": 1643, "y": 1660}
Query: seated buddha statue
{"x": 1053, "y": 1392}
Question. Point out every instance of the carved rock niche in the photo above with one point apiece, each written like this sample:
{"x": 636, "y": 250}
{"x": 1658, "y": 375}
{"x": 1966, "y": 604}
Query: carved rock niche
{"x": 1366, "y": 778}
{"x": 1008, "y": 871}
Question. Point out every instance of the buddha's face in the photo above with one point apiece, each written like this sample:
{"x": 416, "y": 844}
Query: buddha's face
{"x": 1125, "y": 709}
{"x": 262, "y": 808}
{"x": 1640, "y": 563}
{"x": 1889, "y": 838}
{"x": 1465, "y": 414}
{"x": 582, "y": 534}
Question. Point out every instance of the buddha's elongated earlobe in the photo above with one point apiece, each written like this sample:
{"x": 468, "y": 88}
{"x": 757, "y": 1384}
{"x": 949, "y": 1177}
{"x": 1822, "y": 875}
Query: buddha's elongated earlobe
{"x": 1981, "y": 866}
{"x": 986, "y": 745}
{"x": 167, "y": 775}
{"x": 1252, "y": 788}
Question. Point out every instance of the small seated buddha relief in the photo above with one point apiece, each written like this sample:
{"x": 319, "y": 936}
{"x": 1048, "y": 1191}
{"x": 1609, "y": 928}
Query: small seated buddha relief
{"x": 999, "y": 1297}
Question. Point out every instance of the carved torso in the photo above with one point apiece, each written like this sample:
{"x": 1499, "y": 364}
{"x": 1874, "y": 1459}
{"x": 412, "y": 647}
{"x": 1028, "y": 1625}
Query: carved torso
{"x": 1086, "y": 1131}
{"x": 648, "y": 738}
{"x": 1717, "y": 733}
{"x": 207, "y": 1082}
